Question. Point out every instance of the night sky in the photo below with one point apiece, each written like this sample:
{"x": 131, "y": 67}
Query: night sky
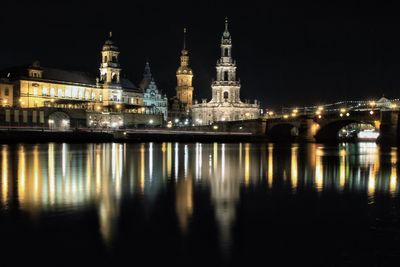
{"x": 288, "y": 54}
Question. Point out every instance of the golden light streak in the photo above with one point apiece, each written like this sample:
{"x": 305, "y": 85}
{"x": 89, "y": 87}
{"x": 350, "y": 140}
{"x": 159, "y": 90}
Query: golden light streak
{"x": 270, "y": 165}
{"x": 21, "y": 178}
{"x": 373, "y": 172}
{"x": 319, "y": 171}
{"x": 342, "y": 169}
{"x": 169, "y": 160}
{"x": 98, "y": 170}
{"x": 4, "y": 174}
{"x": 246, "y": 164}
{"x": 393, "y": 173}
{"x": 294, "y": 167}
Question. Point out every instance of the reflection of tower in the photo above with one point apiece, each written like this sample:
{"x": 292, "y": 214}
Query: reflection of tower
{"x": 225, "y": 187}
{"x": 109, "y": 195}
{"x": 184, "y": 202}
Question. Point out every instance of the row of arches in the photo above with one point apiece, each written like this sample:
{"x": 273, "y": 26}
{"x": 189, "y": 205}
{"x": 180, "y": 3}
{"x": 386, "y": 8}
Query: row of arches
{"x": 327, "y": 132}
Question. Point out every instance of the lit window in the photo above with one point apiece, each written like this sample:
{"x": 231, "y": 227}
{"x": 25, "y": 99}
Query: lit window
{"x": 80, "y": 94}
{"x": 74, "y": 92}
{"x": 44, "y": 91}
{"x": 68, "y": 92}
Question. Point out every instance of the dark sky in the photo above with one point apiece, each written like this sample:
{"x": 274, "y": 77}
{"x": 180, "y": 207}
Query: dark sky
{"x": 288, "y": 54}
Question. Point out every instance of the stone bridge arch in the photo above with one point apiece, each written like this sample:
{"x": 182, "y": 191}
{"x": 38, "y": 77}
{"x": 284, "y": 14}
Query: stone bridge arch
{"x": 283, "y": 131}
{"x": 328, "y": 131}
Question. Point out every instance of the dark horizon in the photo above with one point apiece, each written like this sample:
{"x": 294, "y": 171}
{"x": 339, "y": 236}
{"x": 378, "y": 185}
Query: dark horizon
{"x": 287, "y": 55}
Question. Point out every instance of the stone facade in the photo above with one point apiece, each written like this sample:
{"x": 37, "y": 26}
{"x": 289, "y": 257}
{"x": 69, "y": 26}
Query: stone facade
{"x": 225, "y": 104}
{"x": 154, "y": 101}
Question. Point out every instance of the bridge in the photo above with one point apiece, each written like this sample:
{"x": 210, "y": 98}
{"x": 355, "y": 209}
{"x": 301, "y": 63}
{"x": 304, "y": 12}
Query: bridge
{"x": 323, "y": 123}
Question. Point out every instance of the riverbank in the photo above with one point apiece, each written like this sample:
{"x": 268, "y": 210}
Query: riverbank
{"x": 140, "y": 135}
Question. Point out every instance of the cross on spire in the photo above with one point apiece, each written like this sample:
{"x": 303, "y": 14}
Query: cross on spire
{"x": 184, "y": 38}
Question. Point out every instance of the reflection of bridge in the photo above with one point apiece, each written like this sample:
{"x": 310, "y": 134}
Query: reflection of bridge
{"x": 322, "y": 123}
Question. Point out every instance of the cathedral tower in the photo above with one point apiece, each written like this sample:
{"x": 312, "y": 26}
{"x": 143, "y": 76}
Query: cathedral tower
{"x": 184, "y": 75}
{"x": 226, "y": 88}
{"x": 225, "y": 104}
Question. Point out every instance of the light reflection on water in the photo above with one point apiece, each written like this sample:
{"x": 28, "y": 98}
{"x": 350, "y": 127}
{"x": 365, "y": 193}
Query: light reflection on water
{"x": 66, "y": 177}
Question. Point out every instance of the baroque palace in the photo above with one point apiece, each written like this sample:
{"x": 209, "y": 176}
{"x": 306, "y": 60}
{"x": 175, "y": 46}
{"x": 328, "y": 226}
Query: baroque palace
{"x": 105, "y": 100}
{"x": 37, "y": 86}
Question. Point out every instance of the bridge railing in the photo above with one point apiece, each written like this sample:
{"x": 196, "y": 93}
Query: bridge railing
{"x": 342, "y": 107}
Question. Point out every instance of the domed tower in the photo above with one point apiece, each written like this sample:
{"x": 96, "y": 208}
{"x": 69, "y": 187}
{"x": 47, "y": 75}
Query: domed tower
{"x": 184, "y": 75}
{"x": 110, "y": 73}
{"x": 110, "y": 68}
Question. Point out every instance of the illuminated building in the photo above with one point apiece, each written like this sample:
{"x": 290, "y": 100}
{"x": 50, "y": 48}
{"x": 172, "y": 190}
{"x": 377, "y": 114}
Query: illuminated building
{"x": 35, "y": 86}
{"x": 225, "y": 104}
{"x": 181, "y": 104}
{"x": 154, "y": 101}
{"x": 6, "y": 93}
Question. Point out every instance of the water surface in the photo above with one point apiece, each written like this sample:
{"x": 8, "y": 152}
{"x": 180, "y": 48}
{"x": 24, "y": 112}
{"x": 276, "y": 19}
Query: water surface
{"x": 199, "y": 204}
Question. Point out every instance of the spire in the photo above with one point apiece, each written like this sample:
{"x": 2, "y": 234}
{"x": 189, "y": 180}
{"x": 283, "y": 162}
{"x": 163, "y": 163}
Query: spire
{"x": 147, "y": 72}
{"x": 226, "y": 34}
{"x": 184, "y": 38}
{"x": 110, "y": 34}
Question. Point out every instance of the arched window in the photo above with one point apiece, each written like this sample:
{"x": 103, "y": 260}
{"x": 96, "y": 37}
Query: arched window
{"x": 114, "y": 77}
{"x": 225, "y": 75}
{"x": 105, "y": 59}
{"x": 226, "y": 96}
{"x": 226, "y": 52}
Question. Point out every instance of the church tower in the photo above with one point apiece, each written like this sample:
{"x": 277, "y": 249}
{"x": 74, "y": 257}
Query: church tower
{"x": 225, "y": 104}
{"x": 226, "y": 88}
{"x": 110, "y": 73}
{"x": 184, "y": 75}
{"x": 110, "y": 68}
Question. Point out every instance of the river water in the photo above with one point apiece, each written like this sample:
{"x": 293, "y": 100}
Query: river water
{"x": 198, "y": 204}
